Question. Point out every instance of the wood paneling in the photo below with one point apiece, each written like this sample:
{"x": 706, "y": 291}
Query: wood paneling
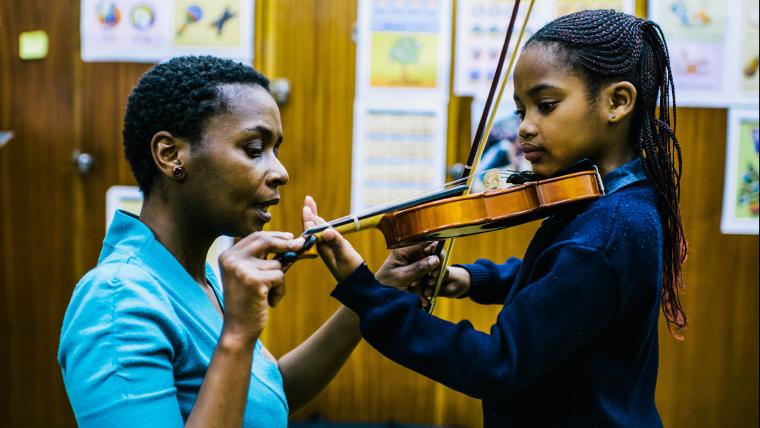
{"x": 52, "y": 225}
{"x": 36, "y": 179}
{"x": 711, "y": 378}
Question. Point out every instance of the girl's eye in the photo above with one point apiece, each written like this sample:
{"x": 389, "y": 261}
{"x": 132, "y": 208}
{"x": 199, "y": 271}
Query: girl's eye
{"x": 546, "y": 106}
{"x": 520, "y": 113}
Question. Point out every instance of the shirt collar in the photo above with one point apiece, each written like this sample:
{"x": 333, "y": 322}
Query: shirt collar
{"x": 128, "y": 238}
{"x": 626, "y": 174}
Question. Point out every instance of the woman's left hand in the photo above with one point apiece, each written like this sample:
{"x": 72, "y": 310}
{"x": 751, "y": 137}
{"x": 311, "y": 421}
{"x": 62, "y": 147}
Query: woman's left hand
{"x": 336, "y": 252}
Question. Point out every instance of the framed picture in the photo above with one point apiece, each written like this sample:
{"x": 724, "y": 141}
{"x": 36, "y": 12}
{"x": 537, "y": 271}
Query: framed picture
{"x": 740, "y": 190}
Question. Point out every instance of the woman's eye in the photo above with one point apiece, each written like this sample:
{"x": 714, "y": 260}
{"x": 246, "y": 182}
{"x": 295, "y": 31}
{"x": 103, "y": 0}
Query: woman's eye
{"x": 546, "y": 106}
{"x": 253, "y": 151}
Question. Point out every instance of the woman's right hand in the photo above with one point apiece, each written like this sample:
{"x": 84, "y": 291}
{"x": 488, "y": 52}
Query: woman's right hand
{"x": 252, "y": 283}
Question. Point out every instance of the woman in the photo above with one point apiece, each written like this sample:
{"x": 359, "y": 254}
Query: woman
{"x": 149, "y": 337}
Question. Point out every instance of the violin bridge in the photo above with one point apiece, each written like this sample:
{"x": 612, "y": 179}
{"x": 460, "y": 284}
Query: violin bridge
{"x": 492, "y": 179}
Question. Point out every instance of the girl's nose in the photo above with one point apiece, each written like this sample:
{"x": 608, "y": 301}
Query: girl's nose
{"x": 527, "y": 130}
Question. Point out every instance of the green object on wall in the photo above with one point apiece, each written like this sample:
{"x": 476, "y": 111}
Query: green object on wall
{"x": 33, "y": 45}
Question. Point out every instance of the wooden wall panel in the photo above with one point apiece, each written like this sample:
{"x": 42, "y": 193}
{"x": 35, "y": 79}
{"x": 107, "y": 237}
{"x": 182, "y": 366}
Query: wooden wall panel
{"x": 711, "y": 378}
{"x": 36, "y": 178}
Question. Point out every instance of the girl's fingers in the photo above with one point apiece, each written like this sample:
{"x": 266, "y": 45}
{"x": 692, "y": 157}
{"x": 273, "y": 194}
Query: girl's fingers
{"x": 416, "y": 270}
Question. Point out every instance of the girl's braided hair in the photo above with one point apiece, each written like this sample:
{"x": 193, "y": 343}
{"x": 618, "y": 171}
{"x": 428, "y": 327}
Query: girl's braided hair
{"x": 606, "y": 46}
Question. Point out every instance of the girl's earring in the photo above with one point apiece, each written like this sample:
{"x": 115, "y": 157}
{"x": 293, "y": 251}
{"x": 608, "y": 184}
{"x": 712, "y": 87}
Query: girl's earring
{"x": 178, "y": 172}
{"x": 613, "y": 116}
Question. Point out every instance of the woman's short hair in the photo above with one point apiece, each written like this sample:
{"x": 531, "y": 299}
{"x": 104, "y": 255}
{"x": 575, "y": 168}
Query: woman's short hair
{"x": 178, "y": 96}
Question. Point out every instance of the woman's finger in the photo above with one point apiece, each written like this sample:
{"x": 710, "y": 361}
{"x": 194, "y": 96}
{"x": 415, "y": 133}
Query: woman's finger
{"x": 268, "y": 244}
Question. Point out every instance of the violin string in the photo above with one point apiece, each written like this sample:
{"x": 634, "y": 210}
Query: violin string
{"x": 380, "y": 208}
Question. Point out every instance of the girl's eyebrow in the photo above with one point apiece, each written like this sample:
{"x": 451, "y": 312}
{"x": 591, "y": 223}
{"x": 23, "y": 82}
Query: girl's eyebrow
{"x": 536, "y": 89}
{"x": 540, "y": 87}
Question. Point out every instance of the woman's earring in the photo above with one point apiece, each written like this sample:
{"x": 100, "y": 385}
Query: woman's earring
{"x": 178, "y": 172}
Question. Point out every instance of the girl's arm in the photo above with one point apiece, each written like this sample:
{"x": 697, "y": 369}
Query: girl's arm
{"x": 490, "y": 282}
{"x": 547, "y": 322}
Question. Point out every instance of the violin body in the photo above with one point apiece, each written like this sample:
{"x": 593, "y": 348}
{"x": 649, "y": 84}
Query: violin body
{"x": 489, "y": 210}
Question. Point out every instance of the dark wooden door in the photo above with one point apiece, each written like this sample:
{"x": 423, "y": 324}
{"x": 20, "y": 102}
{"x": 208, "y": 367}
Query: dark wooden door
{"x": 37, "y": 182}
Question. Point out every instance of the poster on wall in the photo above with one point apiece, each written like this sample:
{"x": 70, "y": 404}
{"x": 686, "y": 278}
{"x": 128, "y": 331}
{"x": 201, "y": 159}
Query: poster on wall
{"x": 403, "y": 55}
{"x": 399, "y": 151}
{"x": 130, "y": 199}
{"x": 403, "y": 46}
{"x": 154, "y": 30}
{"x": 740, "y": 190}
{"x": 698, "y": 33}
{"x": 745, "y": 48}
{"x": 482, "y": 26}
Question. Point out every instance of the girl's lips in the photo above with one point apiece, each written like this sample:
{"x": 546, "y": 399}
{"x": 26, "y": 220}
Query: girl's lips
{"x": 532, "y": 153}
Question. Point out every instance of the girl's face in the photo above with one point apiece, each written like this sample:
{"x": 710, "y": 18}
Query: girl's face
{"x": 560, "y": 125}
{"x": 234, "y": 172}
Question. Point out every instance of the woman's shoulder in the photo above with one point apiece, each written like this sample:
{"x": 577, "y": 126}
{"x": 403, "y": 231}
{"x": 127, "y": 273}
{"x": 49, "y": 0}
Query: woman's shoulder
{"x": 122, "y": 288}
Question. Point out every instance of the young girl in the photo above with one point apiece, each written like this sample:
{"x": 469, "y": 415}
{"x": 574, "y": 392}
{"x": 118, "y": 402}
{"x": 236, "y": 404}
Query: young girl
{"x": 575, "y": 343}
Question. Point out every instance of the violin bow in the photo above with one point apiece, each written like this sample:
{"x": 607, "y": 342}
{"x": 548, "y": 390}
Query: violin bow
{"x": 485, "y": 124}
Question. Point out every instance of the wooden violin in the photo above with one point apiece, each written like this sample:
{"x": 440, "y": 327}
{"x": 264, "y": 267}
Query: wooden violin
{"x": 436, "y": 217}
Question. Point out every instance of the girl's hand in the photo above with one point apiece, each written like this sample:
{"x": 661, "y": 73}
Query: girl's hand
{"x": 252, "y": 283}
{"x": 337, "y": 253}
{"x": 405, "y": 267}
{"x": 456, "y": 283}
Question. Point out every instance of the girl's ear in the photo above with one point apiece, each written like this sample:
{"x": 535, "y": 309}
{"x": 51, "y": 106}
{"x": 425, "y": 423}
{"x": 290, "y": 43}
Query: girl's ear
{"x": 169, "y": 154}
{"x": 620, "y": 99}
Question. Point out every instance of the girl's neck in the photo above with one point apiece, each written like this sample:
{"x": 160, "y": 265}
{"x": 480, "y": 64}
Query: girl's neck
{"x": 612, "y": 163}
{"x": 184, "y": 240}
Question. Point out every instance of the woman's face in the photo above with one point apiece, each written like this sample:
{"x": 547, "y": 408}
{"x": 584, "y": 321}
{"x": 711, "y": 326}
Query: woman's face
{"x": 560, "y": 125}
{"x": 233, "y": 173}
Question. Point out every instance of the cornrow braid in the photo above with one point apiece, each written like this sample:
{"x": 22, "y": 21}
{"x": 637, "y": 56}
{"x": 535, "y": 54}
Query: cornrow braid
{"x": 606, "y": 46}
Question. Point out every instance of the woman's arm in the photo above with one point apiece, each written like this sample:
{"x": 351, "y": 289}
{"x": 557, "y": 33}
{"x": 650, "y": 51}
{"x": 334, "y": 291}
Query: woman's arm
{"x": 308, "y": 368}
{"x": 251, "y": 284}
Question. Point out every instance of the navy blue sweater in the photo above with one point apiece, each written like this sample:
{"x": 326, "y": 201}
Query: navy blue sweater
{"x": 575, "y": 343}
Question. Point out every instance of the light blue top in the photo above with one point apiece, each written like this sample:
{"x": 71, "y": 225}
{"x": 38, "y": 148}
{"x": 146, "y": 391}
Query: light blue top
{"x": 138, "y": 337}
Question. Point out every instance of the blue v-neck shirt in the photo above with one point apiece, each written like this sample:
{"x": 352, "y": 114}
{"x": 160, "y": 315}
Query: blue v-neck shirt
{"x": 575, "y": 343}
{"x": 138, "y": 337}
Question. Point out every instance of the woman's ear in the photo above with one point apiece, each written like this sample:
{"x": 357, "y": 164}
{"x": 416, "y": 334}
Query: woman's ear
{"x": 169, "y": 154}
{"x": 620, "y": 100}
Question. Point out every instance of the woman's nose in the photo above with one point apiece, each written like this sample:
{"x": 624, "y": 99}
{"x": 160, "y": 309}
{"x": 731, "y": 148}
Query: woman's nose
{"x": 278, "y": 175}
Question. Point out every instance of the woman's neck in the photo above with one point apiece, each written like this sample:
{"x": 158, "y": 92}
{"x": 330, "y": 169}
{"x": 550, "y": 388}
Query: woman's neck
{"x": 184, "y": 240}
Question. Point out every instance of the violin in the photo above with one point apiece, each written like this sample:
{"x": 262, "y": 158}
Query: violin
{"x": 438, "y": 216}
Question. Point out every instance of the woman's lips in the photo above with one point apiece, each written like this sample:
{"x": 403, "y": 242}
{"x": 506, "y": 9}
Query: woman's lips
{"x": 263, "y": 213}
{"x": 262, "y": 209}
